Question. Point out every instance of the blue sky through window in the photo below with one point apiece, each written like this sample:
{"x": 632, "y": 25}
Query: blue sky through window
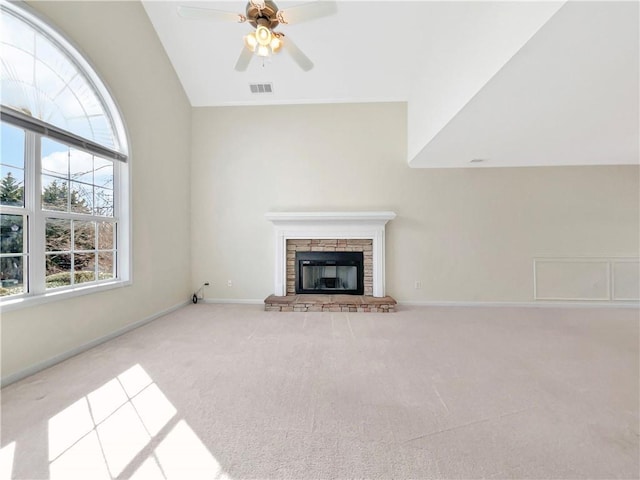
{"x": 12, "y": 162}
{"x": 12, "y": 140}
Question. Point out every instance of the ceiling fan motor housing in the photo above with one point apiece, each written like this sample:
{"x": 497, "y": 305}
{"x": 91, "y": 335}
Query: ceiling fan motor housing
{"x": 266, "y": 16}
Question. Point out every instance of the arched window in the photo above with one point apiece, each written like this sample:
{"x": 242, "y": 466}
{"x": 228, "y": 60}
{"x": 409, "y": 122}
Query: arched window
{"x": 63, "y": 171}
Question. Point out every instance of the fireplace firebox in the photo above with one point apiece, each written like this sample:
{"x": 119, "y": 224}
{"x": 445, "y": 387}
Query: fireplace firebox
{"x": 330, "y": 272}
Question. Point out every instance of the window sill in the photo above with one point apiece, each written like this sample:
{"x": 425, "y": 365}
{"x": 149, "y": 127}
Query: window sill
{"x": 56, "y": 295}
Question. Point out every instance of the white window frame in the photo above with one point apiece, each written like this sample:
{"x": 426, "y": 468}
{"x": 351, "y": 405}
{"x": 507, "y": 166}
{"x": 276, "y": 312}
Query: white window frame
{"x": 35, "y": 215}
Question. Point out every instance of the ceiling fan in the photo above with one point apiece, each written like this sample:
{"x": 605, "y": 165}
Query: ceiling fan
{"x": 265, "y": 16}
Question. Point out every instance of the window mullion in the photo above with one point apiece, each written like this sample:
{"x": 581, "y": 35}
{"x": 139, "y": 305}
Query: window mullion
{"x": 72, "y": 274}
{"x": 77, "y": 216}
{"x": 9, "y": 210}
{"x": 122, "y": 251}
{"x": 117, "y": 197}
{"x": 37, "y": 262}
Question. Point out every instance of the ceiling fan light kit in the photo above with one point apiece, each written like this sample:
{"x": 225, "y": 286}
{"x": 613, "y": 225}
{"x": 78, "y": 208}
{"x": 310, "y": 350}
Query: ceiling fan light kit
{"x": 250, "y": 41}
{"x": 263, "y": 35}
{"x": 263, "y": 42}
{"x": 264, "y": 15}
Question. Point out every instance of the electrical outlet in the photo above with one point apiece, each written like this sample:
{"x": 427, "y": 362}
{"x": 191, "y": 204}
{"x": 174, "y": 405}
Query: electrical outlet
{"x": 229, "y": 283}
{"x": 418, "y": 284}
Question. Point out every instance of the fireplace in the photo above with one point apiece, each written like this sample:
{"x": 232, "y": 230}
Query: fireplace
{"x": 329, "y": 272}
{"x": 326, "y": 232}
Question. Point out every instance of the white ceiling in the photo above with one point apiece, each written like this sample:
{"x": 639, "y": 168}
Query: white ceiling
{"x": 516, "y": 83}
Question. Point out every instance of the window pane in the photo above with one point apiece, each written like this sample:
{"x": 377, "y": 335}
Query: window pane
{"x": 101, "y": 129}
{"x": 105, "y": 236}
{"x": 58, "y": 271}
{"x": 12, "y": 146}
{"x": 84, "y": 235}
{"x": 81, "y": 198}
{"x": 103, "y": 173}
{"x": 12, "y": 186}
{"x": 106, "y": 266}
{"x": 104, "y": 202}
{"x": 55, "y": 158}
{"x": 84, "y": 265}
{"x": 49, "y": 83}
{"x": 11, "y": 276}
{"x": 44, "y": 79}
{"x": 81, "y": 166}
{"x": 55, "y": 194}
{"x": 11, "y": 234}
{"x": 58, "y": 235}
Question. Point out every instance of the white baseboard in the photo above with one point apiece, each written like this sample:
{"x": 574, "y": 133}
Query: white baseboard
{"x": 14, "y": 377}
{"x": 439, "y": 303}
{"x": 243, "y": 301}
{"x": 538, "y": 304}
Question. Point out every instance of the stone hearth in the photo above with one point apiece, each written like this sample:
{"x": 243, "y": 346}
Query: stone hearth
{"x": 329, "y": 303}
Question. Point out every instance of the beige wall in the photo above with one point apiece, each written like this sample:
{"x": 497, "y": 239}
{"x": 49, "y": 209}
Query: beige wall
{"x": 466, "y": 235}
{"x": 120, "y": 42}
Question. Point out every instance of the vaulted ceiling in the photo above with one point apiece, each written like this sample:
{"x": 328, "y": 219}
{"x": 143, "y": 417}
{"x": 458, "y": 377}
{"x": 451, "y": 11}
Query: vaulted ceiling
{"x": 508, "y": 83}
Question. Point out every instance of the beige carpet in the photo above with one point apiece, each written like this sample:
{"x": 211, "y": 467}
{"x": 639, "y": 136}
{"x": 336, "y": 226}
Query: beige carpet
{"x": 229, "y": 391}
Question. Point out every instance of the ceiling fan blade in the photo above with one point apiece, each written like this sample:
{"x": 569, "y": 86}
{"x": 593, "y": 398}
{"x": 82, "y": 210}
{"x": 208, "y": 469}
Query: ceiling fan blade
{"x": 243, "y": 59}
{"x": 198, "y": 13}
{"x": 300, "y": 58}
{"x": 307, "y": 11}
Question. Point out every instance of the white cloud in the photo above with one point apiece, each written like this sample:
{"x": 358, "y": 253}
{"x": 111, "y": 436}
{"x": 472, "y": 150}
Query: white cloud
{"x": 56, "y": 163}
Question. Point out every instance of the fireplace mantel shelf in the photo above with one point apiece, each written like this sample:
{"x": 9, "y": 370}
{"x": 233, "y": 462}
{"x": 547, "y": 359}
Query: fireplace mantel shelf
{"x": 318, "y": 225}
{"x": 278, "y": 217}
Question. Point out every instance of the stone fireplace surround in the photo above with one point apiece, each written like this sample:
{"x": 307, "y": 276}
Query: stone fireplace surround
{"x": 330, "y": 245}
{"x": 329, "y": 231}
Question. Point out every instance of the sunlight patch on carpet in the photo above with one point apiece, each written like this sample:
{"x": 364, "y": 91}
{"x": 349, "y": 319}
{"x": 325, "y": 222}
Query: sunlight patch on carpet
{"x": 105, "y": 434}
{"x": 6, "y": 460}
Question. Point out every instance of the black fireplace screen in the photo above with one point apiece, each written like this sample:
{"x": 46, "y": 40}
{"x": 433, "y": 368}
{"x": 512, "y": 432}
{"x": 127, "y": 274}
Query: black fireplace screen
{"x": 330, "y": 272}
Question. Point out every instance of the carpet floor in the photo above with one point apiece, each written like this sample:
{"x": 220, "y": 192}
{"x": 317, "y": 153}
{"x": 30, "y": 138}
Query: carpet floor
{"x": 233, "y": 392}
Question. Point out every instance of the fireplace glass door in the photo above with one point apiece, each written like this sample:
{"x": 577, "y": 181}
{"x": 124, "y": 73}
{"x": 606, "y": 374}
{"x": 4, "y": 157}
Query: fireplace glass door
{"x": 330, "y": 272}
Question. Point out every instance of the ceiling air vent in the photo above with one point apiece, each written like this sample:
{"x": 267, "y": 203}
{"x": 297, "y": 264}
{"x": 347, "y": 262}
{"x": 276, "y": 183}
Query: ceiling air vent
{"x": 259, "y": 88}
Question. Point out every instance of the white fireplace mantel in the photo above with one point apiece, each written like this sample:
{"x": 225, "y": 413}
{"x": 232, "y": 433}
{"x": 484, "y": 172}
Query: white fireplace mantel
{"x": 302, "y": 225}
